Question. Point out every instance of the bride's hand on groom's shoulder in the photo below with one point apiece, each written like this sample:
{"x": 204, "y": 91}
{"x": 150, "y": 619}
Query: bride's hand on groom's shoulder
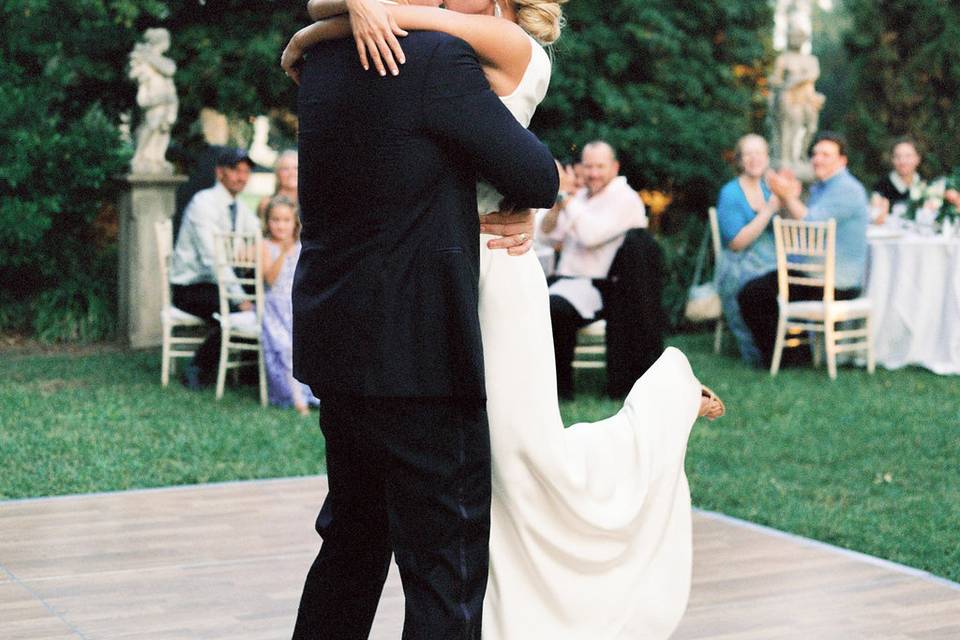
{"x": 515, "y": 229}
{"x": 375, "y": 32}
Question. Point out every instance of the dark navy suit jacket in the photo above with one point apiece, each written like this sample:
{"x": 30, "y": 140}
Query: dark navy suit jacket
{"x": 386, "y": 289}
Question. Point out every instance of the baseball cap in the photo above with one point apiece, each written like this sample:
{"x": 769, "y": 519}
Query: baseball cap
{"x": 232, "y": 156}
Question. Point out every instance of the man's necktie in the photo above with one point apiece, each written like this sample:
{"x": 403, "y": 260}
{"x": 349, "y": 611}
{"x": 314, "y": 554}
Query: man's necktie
{"x": 233, "y": 216}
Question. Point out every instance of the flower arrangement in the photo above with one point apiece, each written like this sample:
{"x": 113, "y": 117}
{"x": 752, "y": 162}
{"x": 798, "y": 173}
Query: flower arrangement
{"x": 940, "y": 196}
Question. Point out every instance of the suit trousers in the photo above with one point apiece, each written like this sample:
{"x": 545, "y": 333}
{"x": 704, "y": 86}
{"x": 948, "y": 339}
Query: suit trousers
{"x": 408, "y": 476}
{"x": 202, "y": 300}
{"x": 760, "y": 312}
{"x": 565, "y": 321}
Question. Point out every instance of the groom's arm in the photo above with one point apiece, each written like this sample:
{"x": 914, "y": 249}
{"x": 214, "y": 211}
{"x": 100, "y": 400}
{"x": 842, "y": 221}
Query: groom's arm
{"x": 460, "y": 107}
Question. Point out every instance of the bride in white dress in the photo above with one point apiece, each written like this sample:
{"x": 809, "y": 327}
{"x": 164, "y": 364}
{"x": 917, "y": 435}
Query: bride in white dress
{"x": 590, "y": 533}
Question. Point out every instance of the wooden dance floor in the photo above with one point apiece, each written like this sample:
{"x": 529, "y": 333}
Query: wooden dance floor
{"x": 227, "y": 561}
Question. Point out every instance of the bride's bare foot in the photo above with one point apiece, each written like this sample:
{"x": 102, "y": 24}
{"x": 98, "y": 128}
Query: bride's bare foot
{"x": 711, "y": 406}
{"x": 303, "y": 410}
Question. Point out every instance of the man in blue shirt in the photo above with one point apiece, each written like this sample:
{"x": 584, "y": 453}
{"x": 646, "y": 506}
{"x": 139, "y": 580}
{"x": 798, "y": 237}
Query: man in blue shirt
{"x": 836, "y": 194}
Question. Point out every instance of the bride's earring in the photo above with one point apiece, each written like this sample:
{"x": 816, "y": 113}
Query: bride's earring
{"x": 497, "y": 13}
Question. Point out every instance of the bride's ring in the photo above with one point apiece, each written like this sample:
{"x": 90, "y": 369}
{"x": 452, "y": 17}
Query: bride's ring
{"x": 523, "y": 238}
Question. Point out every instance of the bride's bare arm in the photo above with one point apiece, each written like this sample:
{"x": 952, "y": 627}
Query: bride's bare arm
{"x": 320, "y": 9}
{"x": 502, "y": 46}
{"x": 329, "y": 29}
{"x": 374, "y": 30}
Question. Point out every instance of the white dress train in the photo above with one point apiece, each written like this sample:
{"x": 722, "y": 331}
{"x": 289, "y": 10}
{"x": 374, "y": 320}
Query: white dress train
{"x": 591, "y": 525}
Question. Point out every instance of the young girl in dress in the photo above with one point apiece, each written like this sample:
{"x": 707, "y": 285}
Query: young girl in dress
{"x": 281, "y": 248}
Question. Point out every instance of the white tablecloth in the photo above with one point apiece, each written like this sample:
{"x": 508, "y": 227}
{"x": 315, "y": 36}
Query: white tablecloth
{"x": 914, "y": 284}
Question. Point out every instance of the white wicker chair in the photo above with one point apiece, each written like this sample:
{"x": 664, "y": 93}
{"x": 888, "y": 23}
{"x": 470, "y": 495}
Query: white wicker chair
{"x": 171, "y": 319}
{"x": 242, "y": 329}
{"x": 806, "y": 255}
{"x": 591, "y": 349}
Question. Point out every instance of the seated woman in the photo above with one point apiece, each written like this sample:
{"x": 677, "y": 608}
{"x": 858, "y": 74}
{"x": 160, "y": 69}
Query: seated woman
{"x": 744, "y": 210}
{"x": 281, "y": 248}
{"x": 894, "y": 188}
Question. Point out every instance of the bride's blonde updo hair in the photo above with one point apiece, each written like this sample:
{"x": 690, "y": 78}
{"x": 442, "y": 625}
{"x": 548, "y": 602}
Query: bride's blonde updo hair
{"x": 542, "y": 19}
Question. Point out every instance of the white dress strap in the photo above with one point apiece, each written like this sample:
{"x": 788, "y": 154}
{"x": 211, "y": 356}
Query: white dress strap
{"x": 523, "y": 101}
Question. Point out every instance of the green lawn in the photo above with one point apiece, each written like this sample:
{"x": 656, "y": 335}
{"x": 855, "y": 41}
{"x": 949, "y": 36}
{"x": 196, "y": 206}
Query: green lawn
{"x": 866, "y": 462}
{"x": 73, "y": 424}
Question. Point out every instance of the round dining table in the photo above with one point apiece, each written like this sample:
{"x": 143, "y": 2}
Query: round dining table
{"x": 913, "y": 283}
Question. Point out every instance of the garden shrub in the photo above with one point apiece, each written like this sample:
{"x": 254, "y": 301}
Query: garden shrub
{"x": 57, "y": 275}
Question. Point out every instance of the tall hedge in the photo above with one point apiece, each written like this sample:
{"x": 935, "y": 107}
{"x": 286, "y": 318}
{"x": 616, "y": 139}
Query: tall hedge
{"x": 63, "y": 86}
{"x": 60, "y": 65}
{"x": 670, "y": 83}
{"x": 905, "y": 67}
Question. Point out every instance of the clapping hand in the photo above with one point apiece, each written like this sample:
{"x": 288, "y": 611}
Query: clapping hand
{"x": 880, "y": 208}
{"x": 515, "y": 229}
{"x": 784, "y": 184}
{"x": 568, "y": 179}
{"x": 953, "y": 197}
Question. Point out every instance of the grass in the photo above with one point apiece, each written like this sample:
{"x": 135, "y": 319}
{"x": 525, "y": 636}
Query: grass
{"x": 870, "y": 463}
{"x": 81, "y": 423}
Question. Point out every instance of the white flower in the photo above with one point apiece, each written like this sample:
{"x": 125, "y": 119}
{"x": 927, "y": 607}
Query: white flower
{"x": 936, "y": 188}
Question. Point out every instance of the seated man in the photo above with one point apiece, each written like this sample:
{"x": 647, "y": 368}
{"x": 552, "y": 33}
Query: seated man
{"x": 836, "y": 194}
{"x": 591, "y": 224}
{"x": 193, "y": 277}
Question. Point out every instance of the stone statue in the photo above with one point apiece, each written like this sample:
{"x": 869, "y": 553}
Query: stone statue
{"x": 157, "y": 97}
{"x": 795, "y": 104}
{"x": 799, "y": 10}
{"x": 260, "y": 151}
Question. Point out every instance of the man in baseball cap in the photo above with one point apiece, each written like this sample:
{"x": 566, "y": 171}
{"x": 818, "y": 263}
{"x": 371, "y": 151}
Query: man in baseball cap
{"x": 193, "y": 277}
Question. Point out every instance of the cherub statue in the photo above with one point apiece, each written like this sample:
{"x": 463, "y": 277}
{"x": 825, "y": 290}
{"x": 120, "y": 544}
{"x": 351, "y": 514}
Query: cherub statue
{"x": 796, "y": 104}
{"x": 157, "y": 96}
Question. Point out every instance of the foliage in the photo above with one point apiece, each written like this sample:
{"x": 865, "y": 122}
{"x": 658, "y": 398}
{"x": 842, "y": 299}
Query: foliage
{"x": 670, "y": 84}
{"x": 834, "y": 83}
{"x": 228, "y": 54}
{"x": 905, "y": 63}
{"x": 865, "y": 462}
{"x": 679, "y": 264}
{"x": 54, "y": 182}
{"x": 62, "y": 83}
{"x": 63, "y": 87}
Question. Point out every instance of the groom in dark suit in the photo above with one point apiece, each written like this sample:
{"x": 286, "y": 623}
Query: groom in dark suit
{"x": 386, "y": 329}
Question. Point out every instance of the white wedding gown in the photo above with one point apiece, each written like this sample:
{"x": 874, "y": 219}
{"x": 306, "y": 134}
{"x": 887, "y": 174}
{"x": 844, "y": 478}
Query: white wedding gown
{"x": 590, "y": 526}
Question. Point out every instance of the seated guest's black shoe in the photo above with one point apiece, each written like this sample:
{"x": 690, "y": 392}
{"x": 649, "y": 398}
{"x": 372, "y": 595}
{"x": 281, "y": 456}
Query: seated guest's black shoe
{"x": 192, "y": 378}
{"x": 796, "y": 357}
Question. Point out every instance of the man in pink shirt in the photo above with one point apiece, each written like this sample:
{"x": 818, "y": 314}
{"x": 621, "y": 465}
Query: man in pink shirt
{"x": 590, "y": 223}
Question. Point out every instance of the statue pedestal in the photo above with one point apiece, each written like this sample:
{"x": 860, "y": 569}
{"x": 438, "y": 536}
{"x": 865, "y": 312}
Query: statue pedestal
{"x": 145, "y": 200}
